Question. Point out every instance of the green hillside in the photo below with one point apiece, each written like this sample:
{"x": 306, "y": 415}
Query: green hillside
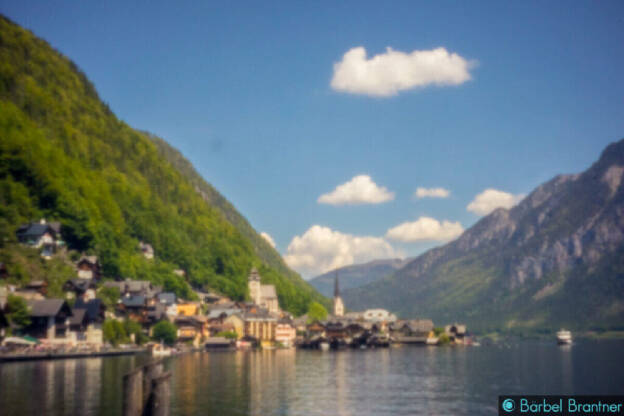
{"x": 66, "y": 157}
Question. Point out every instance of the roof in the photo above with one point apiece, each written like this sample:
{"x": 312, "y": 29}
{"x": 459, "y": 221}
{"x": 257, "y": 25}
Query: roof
{"x": 168, "y": 298}
{"x": 218, "y": 341}
{"x": 93, "y": 307}
{"x": 47, "y": 307}
{"x": 419, "y": 325}
{"x": 88, "y": 259}
{"x": 157, "y": 311}
{"x": 216, "y": 313}
{"x": 133, "y": 301}
{"x": 138, "y": 285}
{"x": 80, "y": 285}
{"x": 267, "y": 292}
{"x": 78, "y": 316}
{"x": 261, "y": 314}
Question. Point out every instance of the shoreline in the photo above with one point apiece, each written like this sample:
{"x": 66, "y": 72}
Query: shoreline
{"x": 68, "y": 355}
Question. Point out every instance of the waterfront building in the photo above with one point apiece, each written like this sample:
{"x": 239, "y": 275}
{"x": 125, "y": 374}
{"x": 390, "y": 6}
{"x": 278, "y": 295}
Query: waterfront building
{"x": 87, "y": 320}
{"x": 49, "y": 320}
{"x": 338, "y": 304}
{"x": 285, "y": 333}
{"x": 260, "y": 324}
{"x": 456, "y": 332}
{"x": 192, "y": 328}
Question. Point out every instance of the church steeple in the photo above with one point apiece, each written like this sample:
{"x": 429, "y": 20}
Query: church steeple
{"x": 338, "y": 305}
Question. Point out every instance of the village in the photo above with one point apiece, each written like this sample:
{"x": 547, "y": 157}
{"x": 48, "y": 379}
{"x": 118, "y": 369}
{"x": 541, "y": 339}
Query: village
{"x": 142, "y": 316}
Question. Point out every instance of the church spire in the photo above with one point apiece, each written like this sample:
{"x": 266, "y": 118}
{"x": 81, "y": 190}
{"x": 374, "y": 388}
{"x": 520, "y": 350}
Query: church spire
{"x": 336, "y": 286}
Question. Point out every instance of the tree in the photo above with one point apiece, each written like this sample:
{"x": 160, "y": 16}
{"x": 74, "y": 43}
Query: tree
{"x": 227, "y": 334}
{"x": 316, "y": 312}
{"x": 109, "y": 296}
{"x": 134, "y": 328}
{"x": 165, "y": 331}
{"x": 114, "y": 332}
{"x": 17, "y": 311}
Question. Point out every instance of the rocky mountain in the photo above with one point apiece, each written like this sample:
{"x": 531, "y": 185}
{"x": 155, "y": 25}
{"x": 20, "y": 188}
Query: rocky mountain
{"x": 556, "y": 259}
{"x": 355, "y": 275}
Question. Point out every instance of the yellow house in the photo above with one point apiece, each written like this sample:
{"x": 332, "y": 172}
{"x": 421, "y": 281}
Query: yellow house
{"x": 188, "y": 309}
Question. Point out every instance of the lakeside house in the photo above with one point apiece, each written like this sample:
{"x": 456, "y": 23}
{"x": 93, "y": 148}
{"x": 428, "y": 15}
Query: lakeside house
{"x": 456, "y": 332}
{"x": 285, "y": 332}
{"x": 50, "y": 319}
{"x": 86, "y": 322}
{"x": 260, "y": 324}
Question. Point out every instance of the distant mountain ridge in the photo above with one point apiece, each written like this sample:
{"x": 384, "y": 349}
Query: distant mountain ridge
{"x": 555, "y": 259}
{"x": 356, "y": 275}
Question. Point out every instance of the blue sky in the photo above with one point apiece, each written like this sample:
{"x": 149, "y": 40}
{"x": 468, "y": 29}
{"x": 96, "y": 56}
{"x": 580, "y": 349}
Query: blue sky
{"x": 244, "y": 91}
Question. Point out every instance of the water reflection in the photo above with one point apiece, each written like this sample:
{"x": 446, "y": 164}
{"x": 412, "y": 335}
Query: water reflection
{"x": 396, "y": 381}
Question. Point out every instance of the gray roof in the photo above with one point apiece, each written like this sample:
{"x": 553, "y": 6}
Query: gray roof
{"x": 168, "y": 298}
{"x": 215, "y": 313}
{"x": 261, "y": 314}
{"x": 94, "y": 308}
{"x": 78, "y": 316}
{"x": 133, "y": 301}
{"x": 138, "y": 285}
{"x": 47, "y": 307}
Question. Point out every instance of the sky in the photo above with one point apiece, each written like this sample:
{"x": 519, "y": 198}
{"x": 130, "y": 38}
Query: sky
{"x": 350, "y": 131}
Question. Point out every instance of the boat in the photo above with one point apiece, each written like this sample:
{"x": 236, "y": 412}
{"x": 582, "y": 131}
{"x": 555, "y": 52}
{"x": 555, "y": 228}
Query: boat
{"x": 564, "y": 337}
{"x": 432, "y": 341}
{"x": 159, "y": 350}
{"x": 324, "y": 346}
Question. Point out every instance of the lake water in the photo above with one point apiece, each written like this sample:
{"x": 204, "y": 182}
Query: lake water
{"x": 393, "y": 381}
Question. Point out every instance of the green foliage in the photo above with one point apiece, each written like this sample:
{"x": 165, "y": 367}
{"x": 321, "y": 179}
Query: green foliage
{"x": 316, "y": 312}
{"x": 443, "y": 339}
{"x": 17, "y": 311}
{"x": 227, "y": 334}
{"x": 114, "y": 332}
{"x": 109, "y": 296}
{"x": 165, "y": 331}
{"x": 134, "y": 328}
{"x": 65, "y": 156}
{"x": 438, "y": 331}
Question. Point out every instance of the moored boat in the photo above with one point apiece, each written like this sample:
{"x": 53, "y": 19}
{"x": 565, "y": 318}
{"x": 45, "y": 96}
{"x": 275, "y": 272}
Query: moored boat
{"x": 564, "y": 337}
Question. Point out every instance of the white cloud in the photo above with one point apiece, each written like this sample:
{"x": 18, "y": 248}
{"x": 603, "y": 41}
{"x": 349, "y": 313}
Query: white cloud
{"x": 490, "y": 199}
{"x": 321, "y": 249}
{"x": 268, "y": 238}
{"x": 432, "y": 193}
{"x": 388, "y": 73}
{"x": 425, "y": 229}
{"x": 359, "y": 190}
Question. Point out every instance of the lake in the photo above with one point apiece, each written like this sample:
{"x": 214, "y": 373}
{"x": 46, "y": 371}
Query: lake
{"x": 394, "y": 381}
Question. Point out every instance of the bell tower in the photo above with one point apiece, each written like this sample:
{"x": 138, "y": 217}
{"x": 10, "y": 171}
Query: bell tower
{"x": 338, "y": 305}
{"x": 254, "y": 286}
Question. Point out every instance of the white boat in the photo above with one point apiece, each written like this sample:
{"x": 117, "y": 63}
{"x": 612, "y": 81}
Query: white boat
{"x": 159, "y": 350}
{"x": 432, "y": 341}
{"x": 564, "y": 337}
{"x": 324, "y": 346}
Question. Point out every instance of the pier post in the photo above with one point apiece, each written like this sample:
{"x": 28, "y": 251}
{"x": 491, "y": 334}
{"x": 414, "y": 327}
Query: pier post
{"x": 133, "y": 393}
{"x": 150, "y": 372}
{"x": 160, "y": 402}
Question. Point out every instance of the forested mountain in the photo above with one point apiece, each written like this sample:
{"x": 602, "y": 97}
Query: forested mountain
{"x": 556, "y": 259}
{"x": 355, "y": 275}
{"x": 66, "y": 157}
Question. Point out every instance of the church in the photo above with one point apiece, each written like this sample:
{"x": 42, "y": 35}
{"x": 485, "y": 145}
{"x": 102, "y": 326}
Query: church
{"x": 262, "y": 295}
{"x": 338, "y": 305}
